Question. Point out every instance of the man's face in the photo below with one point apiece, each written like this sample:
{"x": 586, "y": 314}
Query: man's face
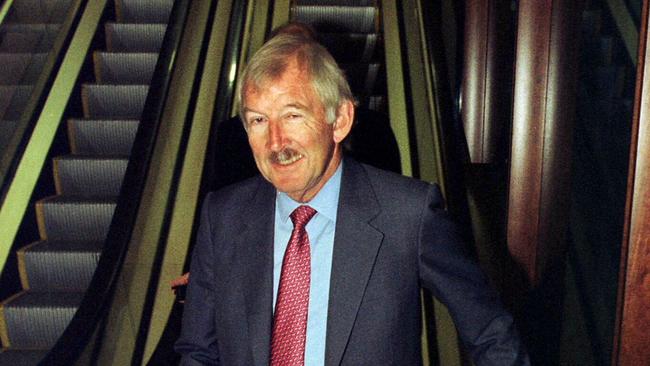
{"x": 294, "y": 147}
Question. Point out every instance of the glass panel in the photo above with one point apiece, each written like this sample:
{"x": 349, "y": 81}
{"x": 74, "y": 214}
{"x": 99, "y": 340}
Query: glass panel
{"x": 600, "y": 165}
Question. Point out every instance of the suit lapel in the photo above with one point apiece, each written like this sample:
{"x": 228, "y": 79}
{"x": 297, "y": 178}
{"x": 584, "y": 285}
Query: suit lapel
{"x": 256, "y": 264}
{"x": 356, "y": 244}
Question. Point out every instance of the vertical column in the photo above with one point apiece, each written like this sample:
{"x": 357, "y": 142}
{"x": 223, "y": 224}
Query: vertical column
{"x": 543, "y": 113}
{"x": 488, "y": 58}
{"x": 544, "y": 103}
{"x": 487, "y": 73}
{"x": 633, "y": 319}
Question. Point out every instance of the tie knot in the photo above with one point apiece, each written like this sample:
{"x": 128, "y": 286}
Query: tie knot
{"x": 301, "y": 215}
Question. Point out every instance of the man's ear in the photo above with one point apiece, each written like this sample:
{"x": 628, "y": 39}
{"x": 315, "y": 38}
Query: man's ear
{"x": 344, "y": 120}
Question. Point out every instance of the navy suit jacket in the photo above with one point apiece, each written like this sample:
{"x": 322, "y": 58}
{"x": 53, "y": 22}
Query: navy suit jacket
{"x": 392, "y": 237}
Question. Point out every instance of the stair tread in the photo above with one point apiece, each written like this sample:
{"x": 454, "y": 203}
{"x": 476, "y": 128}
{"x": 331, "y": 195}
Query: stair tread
{"x": 59, "y": 265}
{"x": 53, "y": 246}
{"x": 29, "y": 27}
{"x": 7, "y": 130}
{"x": 9, "y": 356}
{"x": 338, "y": 18}
{"x": 30, "y": 12}
{"x": 42, "y": 299}
{"x": 129, "y": 37}
{"x": 339, "y": 2}
{"x": 73, "y": 157}
{"x": 17, "y": 42}
{"x": 75, "y": 217}
{"x": 35, "y": 319}
{"x": 142, "y": 11}
{"x": 114, "y": 101}
{"x": 13, "y": 99}
{"x": 89, "y": 176}
{"x": 128, "y": 54}
{"x": 72, "y": 199}
{"x": 352, "y": 47}
{"x": 125, "y": 67}
{"x": 102, "y": 136}
{"x": 21, "y": 68}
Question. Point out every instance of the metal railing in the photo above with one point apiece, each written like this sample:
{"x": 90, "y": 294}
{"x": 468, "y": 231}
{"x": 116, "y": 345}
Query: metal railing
{"x": 94, "y": 306}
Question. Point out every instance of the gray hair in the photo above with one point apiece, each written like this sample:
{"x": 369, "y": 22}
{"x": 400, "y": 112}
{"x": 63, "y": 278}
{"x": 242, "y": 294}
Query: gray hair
{"x": 273, "y": 58}
{"x": 297, "y": 28}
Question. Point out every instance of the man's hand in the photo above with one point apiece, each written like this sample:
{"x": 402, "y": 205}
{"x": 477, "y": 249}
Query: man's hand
{"x": 179, "y": 284}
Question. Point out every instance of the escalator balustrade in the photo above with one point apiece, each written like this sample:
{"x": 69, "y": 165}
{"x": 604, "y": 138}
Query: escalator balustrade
{"x": 56, "y": 270}
{"x": 27, "y": 35}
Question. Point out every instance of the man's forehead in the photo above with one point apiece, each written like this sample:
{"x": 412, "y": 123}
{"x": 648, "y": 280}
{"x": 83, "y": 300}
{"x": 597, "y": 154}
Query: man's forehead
{"x": 293, "y": 87}
{"x": 292, "y": 70}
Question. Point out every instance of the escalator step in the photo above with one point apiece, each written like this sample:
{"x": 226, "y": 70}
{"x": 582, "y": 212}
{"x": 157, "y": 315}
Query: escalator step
{"x": 377, "y": 103}
{"x": 113, "y": 101}
{"x": 21, "y": 68}
{"x": 143, "y": 11}
{"x": 7, "y": 129}
{"x": 338, "y": 2}
{"x": 38, "y": 11}
{"x": 59, "y": 265}
{"x": 351, "y": 47}
{"x": 102, "y": 137}
{"x": 134, "y": 37}
{"x": 21, "y": 357}
{"x": 27, "y": 37}
{"x": 89, "y": 176}
{"x": 13, "y": 99}
{"x": 362, "y": 77}
{"x": 34, "y": 320}
{"x": 124, "y": 68}
{"x": 338, "y": 19}
{"x": 64, "y": 218}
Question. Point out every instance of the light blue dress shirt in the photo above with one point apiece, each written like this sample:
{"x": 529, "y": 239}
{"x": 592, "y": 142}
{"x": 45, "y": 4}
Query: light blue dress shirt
{"x": 320, "y": 230}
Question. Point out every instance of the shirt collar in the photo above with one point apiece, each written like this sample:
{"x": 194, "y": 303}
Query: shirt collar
{"x": 325, "y": 202}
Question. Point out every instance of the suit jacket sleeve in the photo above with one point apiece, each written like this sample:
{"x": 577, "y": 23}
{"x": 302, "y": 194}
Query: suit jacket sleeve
{"x": 485, "y": 328}
{"x": 197, "y": 343}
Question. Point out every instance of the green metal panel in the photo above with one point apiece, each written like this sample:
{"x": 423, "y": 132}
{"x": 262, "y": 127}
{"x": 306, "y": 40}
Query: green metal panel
{"x": 395, "y": 85}
{"x": 30, "y": 166}
{"x": 126, "y": 310}
{"x": 186, "y": 200}
{"x": 5, "y": 9}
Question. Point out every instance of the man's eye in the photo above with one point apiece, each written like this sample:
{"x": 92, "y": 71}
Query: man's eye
{"x": 293, "y": 116}
{"x": 255, "y": 120}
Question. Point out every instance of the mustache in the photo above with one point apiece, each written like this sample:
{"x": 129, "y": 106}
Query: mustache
{"x": 283, "y": 155}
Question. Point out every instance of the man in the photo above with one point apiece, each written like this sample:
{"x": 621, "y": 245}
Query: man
{"x": 371, "y": 141}
{"x": 320, "y": 260}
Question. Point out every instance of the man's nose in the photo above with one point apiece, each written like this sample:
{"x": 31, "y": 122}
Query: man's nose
{"x": 276, "y": 136}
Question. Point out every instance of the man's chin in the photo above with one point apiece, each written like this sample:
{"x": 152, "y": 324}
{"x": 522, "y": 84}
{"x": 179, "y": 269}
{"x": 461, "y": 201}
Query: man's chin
{"x": 287, "y": 188}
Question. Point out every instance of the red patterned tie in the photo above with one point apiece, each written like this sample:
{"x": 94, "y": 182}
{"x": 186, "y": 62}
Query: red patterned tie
{"x": 290, "y": 321}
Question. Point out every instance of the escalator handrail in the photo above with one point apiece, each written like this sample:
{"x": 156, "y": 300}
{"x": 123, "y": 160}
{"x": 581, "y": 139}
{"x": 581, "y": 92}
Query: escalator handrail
{"x": 454, "y": 143}
{"x": 94, "y": 305}
{"x": 29, "y": 117}
{"x": 225, "y": 95}
{"x": 222, "y": 105}
{"x": 4, "y": 9}
{"x": 14, "y": 202}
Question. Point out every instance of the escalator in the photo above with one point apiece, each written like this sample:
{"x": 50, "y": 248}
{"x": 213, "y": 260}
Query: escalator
{"x": 27, "y": 34}
{"x": 102, "y": 119}
{"x": 351, "y": 31}
{"x": 355, "y": 32}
